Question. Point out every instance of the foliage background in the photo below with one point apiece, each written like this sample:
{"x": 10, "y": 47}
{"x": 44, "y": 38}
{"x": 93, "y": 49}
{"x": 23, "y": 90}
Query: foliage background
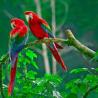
{"x": 79, "y": 15}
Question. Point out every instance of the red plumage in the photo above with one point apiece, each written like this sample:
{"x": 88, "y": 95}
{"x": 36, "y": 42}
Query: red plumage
{"x": 57, "y": 56}
{"x": 40, "y": 28}
{"x": 12, "y": 77}
{"x": 18, "y": 38}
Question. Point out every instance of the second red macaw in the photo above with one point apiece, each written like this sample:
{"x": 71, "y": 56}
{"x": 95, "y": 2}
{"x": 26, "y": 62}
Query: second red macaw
{"x": 40, "y": 28}
{"x": 18, "y": 39}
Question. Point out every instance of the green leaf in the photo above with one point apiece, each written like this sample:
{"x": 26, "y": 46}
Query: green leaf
{"x": 78, "y": 70}
{"x": 31, "y": 74}
{"x": 75, "y": 89}
{"x": 31, "y": 54}
{"x": 96, "y": 69}
{"x": 72, "y": 83}
{"x": 95, "y": 58}
{"x": 2, "y": 57}
{"x": 72, "y": 95}
{"x": 83, "y": 87}
{"x": 34, "y": 64}
{"x": 26, "y": 61}
{"x": 18, "y": 74}
{"x": 9, "y": 66}
{"x": 91, "y": 79}
{"x": 55, "y": 78}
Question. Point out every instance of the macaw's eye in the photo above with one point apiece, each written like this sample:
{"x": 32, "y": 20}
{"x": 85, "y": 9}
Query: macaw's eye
{"x": 13, "y": 25}
{"x": 30, "y": 17}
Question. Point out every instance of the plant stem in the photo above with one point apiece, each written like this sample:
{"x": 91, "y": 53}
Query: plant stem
{"x": 54, "y": 70}
{"x": 1, "y": 89}
{"x": 3, "y": 59}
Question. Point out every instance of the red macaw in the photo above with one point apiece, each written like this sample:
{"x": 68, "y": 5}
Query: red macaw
{"x": 40, "y": 28}
{"x": 18, "y": 39}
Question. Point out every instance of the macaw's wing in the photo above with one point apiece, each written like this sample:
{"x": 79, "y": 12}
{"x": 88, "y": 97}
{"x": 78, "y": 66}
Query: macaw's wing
{"x": 47, "y": 29}
{"x": 17, "y": 36}
{"x": 16, "y": 42}
{"x": 16, "y": 45}
{"x": 14, "y": 32}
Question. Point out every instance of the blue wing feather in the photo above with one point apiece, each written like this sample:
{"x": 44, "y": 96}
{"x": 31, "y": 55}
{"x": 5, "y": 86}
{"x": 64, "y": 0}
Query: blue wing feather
{"x": 47, "y": 30}
{"x": 15, "y": 46}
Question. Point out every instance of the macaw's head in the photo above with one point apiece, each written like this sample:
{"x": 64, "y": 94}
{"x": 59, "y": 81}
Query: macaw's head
{"x": 16, "y": 22}
{"x": 18, "y": 27}
{"x": 31, "y": 16}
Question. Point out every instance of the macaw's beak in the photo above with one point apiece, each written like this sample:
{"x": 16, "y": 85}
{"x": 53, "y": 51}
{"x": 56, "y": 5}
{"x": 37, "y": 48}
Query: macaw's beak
{"x": 28, "y": 15}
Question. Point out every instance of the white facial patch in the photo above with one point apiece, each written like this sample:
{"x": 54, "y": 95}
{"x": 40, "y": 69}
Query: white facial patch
{"x": 27, "y": 17}
{"x": 12, "y": 25}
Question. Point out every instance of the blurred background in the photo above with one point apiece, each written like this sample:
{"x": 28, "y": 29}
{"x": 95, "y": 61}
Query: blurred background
{"x": 78, "y": 15}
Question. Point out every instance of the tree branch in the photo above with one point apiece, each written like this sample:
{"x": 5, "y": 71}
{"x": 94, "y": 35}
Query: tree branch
{"x": 78, "y": 45}
{"x": 54, "y": 69}
{"x": 70, "y": 41}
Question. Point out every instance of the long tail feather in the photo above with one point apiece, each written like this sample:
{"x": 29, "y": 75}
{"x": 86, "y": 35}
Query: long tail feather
{"x": 58, "y": 46}
{"x": 57, "y": 56}
{"x": 12, "y": 78}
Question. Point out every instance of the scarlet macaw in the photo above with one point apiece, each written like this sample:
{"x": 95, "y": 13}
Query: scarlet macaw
{"x": 40, "y": 28}
{"x": 18, "y": 39}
